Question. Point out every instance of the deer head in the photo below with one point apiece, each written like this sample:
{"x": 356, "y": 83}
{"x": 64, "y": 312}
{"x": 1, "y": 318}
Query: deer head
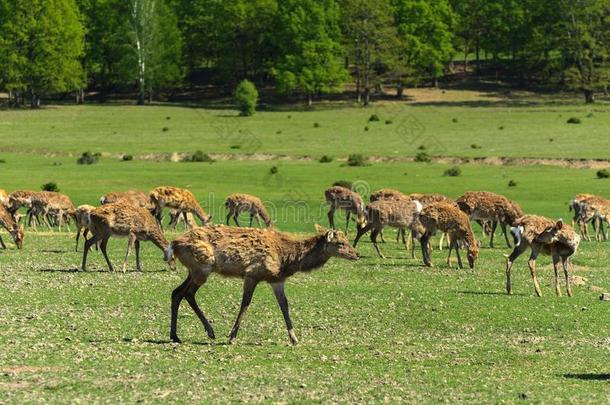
{"x": 336, "y": 244}
{"x": 550, "y": 233}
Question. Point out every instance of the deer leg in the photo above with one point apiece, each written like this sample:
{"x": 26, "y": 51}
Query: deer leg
{"x": 361, "y": 231}
{"x": 503, "y": 226}
{"x": 258, "y": 222}
{"x": 249, "y": 286}
{"x": 191, "y": 290}
{"x": 405, "y": 242}
{"x": 278, "y": 290}
{"x": 228, "y": 218}
{"x": 411, "y": 241}
{"x": 138, "y": 263}
{"x": 532, "y": 265}
{"x": 349, "y": 214}
{"x": 331, "y": 217}
{"x": 494, "y": 225}
{"x": 449, "y": 255}
{"x": 556, "y": 260}
{"x": 235, "y": 219}
{"x": 2, "y": 243}
{"x": 517, "y": 251}
{"x": 564, "y": 262}
{"x": 130, "y": 242}
{"x": 440, "y": 243}
{"x": 177, "y": 296}
{"x": 456, "y": 246}
{"x": 103, "y": 245}
{"x": 374, "y": 233}
{"x": 78, "y": 228}
{"x": 424, "y": 249}
{"x": 251, "y": 219}
{"x": 88, "y": 245}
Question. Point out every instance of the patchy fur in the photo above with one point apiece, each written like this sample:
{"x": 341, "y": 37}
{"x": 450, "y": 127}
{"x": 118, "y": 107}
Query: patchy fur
{"x": 7, "y": 222}
{"x": 133, "y": 197}
{"x": 345, "y": 199}
{"x": 238, "y": 203}
{"x": 179, "y": 199}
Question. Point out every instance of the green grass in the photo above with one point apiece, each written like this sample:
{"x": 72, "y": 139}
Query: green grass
{"x": 370, "y": 331}
{"x": 139, "y": 130}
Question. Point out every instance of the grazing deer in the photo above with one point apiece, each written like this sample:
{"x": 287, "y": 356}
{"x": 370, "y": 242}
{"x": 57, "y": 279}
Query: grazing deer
{"x": 18, "y": 199}
{"x": 543, "y": 236}
{"x": 254, "y": 255}
{"x": 431, "y": 198}
{"x": 389, "y": 194}
{"x": 450, "y": 219}
{"x": 343, "y": 198}
{"x": 587, "y": 208}
{"x": 133, "y": 197}
{"x": 135, "y": 223}
{"x": 49, "y": 204}
{"x": 238, "y": 203}
{"x": 401, "y": 214}
{"x": 7, "y": 222}
{"x": 483, "y": 206}
{"x": 179, "y": 199}
{"x": 81, "y": 219}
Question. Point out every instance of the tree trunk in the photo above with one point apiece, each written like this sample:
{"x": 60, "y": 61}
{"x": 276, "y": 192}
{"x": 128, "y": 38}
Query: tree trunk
{"x": 589, "y": 96}
{"x": 478, "y": 56}
{"x": 358, "y": 90}
{"x": 400, "y": 90}
{"x": 309, "y": 99}
{"x": 10, "y": 98}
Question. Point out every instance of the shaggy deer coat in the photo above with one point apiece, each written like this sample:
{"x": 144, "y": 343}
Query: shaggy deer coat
{"x": 179, "y": 199}
{"x": 254, "y": 255}
{"x": 133, "y": 197}
{"x": 81, "y": 219}
{"x": 448, "y": 218}
{"x": 345, "y": 199}
{"x": 3, "y": 198}
{"x": 135, "y": 223}
{"x": 50, "y": 204}
{"x": 238, "y": 203}
{"x": 7, "y": 222}
{"x": 545, "y": 236}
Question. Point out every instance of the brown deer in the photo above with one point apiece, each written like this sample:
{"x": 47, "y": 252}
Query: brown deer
{"x": 179, "y": 199}
{"x": 401, "y": 214}
{"x": 448, "y": 218}
{"x": 345, "y": 199}
{"x": 389, "y": 194}
{"x": 431, "y": 198}
{"x": 545, "y": 236}
{"x": 7, "y": 222}
{"x": 3, "y": 198}
{"x": 238, "y": 203}
{"x": 124, "y": 220}
{"x": 483, "y": 206}
{"x": 50, "y": 204}
{"x": 254, "y": 255}
{"x": 81, "y": 219}
{"x": 18, "y": 199}
{"x": 133, "y": 197}
{"x": 586, "y": 209}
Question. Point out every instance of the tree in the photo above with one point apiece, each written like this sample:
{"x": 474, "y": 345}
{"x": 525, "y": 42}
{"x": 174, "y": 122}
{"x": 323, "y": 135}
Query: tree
{"x": 309, "y": 47}
{"x": 42, "y": 45}
{"x": 246, "y": 97}
{"x": 371, "y": 40}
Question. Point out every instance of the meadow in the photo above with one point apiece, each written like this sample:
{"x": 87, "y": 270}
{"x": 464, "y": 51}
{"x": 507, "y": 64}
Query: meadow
{"x": 370, "y": 331}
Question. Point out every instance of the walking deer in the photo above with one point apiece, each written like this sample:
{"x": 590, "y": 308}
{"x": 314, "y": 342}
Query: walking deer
{"x": 345, "y": 199}
{"x": 179, "y": 199}
{"x": 238, "y": 203}
{"x": 253, "y": 254}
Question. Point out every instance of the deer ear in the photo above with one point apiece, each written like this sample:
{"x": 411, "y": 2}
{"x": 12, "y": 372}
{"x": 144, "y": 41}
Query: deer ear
{"x": 320, "y": 228}
{"x": 559, "y": 223}
{"x": 330, "y": 235}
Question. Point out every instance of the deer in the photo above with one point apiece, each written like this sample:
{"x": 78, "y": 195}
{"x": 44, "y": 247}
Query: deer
{"x": 8, "y": 222}
{"x": 401, "y": 214}
{"x": 51, "y": 204}
{"x": 448, "y": 218}
{"x": 124, "y": 220}
{"x": 238, "y": 203}
{"x": 18, "y": 199}
{"x": 586, "y": 208}
{"x": 483, "y": 206}
{"x": 546, "y": 236}
{"x": 431, "y": 198}
{"x": 3, "y": 198}
{"x": 254, "y": 255}
{"x": 81, "y": 219}
{"x": 134, "y": 197}
{"x": 389, "y": 194}
{"x": 345, "y": 199}
{"x": 179, "y": 199}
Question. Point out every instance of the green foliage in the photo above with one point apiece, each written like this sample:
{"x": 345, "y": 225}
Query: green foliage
{"x": 573, "y": 120}
{"x": 50, "y": 186}
{"x": 201, "y": 157}
{"x": 453, "y": 172}
{"x": 603, "y": 174}
{"x": 325, "y": 159}
{"x": 127, "y": 158}
{"x": 374, "y": 118}
{"x": 422, "y": 157}
{"x": 357, "y": 159}
{"x": 274, "y": 170}
{"x": 88, "y": 158}
{"x": 512, "y": 183}
{"x": 246, "y": 98}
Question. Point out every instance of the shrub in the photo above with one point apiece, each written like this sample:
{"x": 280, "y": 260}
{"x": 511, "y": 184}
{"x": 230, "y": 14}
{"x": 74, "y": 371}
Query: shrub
{"x": 551, "y": 139}
{"x": 246, "y": 98}
{"x": 374, "y": 118}
{"x": 165, "y": 129}
{"x": 455, "y": 120}
{"x": 501, "y": 127}
{"x": 168, "y": 118}
{"x": 475, "y": 146}
{"x": 357, "y": 159}
{"x": 127, "y": 158}
{"x": 512, "y": 183}
{"x": 603, "y": 174}
{"x": 2, "y": 161}
{"x": 453, "y": 172}
{"x": 50, "y": 186}
{"x": 316, "y": 125}
{"x": 573, "y": 120}
{"x": 88, "y": 158}
{"x": 235, "y": 146}
{"x": 343, "y": 183}
{"x": 326, "y": 159}
{"x": 278, "y": 132}
{"x": 388, "y": 122}
{"x": 199, "y": 156}
{"x": 366, "y": 128}
{"x": 590, "y": 115}
{"x": 423, "y": 157}
{"x": 274, "y": 170}
{"x": 421, "y": 147}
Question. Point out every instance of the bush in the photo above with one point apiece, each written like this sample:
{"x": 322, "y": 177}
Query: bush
{"x": 199, "y": 156}
{"x": 316, "y": 125}
{"x": 326, "y": 159}
{"x": 50, "y": 186}
{"x": 343, "y": 183}
{"x": 374, "y": 118}
{"x": 168, "y": 118}
{"x": 590, "y": 115}
{"x": 127, "y": 158}
{"x": 421, "y": 147}
{"x": 274, "y": 170}
{"x": 453, "y": 172}
{"x": 246, "y": 98}
{"x": 501, "y": 127}
{"x": 455, "y": 120}
{"x": 512, "y": 183}
{"x": 357, "y": 159}
{"x": 366, "y": 128}
{"x": 388, "y": 122}
{"x": 475, "y": 146}
{"x": 423, "y": 157}
{"x": 573, "y": 120}
{"x": 2, "y": 161}
{"x": 551, "y": 139}
{"x": 88, "y": 158}
{"x": 235, "y": 146}
{"x": 278, "y": 132}
{"x": 603, "y": 174}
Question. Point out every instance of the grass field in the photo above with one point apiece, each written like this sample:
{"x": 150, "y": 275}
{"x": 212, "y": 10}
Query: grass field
{"x": 369, "y": 331}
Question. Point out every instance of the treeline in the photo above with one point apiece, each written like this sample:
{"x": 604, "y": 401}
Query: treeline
{"x": 299, "y": 47}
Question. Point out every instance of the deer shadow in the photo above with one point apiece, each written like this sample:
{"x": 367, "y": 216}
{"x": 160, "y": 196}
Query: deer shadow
{"x": 588, "y": 376}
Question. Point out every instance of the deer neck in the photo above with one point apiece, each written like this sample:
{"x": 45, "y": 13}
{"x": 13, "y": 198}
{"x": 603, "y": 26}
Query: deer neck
{"x": 305, "y": 255}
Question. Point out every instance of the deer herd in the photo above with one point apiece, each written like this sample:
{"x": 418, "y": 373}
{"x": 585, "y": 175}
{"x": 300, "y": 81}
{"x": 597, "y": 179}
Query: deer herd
{"x": 266, "y": 254}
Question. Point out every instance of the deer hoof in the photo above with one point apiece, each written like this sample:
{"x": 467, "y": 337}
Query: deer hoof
{"x": 175, "y": 339}
{"x": 293, "y": 338}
